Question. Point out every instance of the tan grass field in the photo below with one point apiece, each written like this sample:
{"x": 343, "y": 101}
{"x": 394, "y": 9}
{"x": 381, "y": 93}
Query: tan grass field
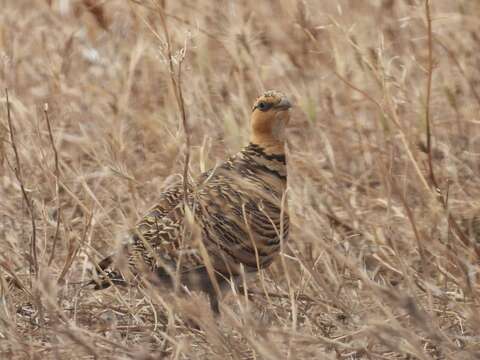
{"x": 383, "y": 258}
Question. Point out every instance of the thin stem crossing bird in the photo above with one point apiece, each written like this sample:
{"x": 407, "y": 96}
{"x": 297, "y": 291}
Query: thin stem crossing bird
{"x": 234, "y": 220}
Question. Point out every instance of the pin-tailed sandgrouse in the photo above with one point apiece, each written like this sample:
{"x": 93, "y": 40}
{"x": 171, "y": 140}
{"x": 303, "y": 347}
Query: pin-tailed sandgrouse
{"x": 236, "y": 215}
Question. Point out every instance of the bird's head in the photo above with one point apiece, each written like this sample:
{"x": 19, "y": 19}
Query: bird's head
{"x": 270, "y": 116}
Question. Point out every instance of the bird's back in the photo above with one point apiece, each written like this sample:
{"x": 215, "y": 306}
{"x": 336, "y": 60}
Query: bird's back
{"x": 237, "y": 212}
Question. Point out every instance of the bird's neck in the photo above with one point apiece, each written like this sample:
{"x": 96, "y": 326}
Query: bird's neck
{"x": 270, "y": 144}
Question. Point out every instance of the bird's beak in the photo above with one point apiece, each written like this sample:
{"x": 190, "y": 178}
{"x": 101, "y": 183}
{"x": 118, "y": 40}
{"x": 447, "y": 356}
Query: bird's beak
{"x": 284, "y": 104}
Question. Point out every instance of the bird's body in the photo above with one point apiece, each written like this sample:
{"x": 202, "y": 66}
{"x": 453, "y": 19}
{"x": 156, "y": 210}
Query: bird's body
{"x": 233, "y": 220}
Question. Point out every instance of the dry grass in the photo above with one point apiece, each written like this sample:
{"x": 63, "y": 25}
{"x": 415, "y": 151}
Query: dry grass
{"x": 374, "y": 268}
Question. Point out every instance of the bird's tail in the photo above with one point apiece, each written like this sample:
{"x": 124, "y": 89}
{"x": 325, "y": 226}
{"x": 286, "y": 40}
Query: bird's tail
{"x": 107, "y": 275}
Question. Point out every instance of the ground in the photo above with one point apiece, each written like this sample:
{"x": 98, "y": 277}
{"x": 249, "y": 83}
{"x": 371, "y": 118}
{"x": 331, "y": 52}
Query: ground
{"x": 383, "y": 258}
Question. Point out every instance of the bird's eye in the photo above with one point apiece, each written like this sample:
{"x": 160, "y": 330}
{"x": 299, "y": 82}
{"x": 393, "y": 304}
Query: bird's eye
{"x": 263, "y": 106}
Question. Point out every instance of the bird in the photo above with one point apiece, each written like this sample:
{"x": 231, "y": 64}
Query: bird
{"x": 231, "y": 220}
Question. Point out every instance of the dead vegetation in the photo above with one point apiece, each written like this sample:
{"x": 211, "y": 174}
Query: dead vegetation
{"x": 383, "y": 258}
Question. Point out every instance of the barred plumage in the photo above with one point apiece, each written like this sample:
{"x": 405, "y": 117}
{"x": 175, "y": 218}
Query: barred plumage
{"x": 238, "y": 212}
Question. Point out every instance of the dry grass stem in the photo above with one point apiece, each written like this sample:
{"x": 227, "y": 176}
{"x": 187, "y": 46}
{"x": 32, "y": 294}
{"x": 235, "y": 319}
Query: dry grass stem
{"x": 383, "y": 159}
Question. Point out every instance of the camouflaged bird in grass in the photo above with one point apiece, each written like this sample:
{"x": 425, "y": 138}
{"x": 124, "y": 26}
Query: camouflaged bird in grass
{"x": 236, "y": 216}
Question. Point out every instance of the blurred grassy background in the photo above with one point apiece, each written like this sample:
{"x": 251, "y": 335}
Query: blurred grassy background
{"x": 373, "y": 269}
